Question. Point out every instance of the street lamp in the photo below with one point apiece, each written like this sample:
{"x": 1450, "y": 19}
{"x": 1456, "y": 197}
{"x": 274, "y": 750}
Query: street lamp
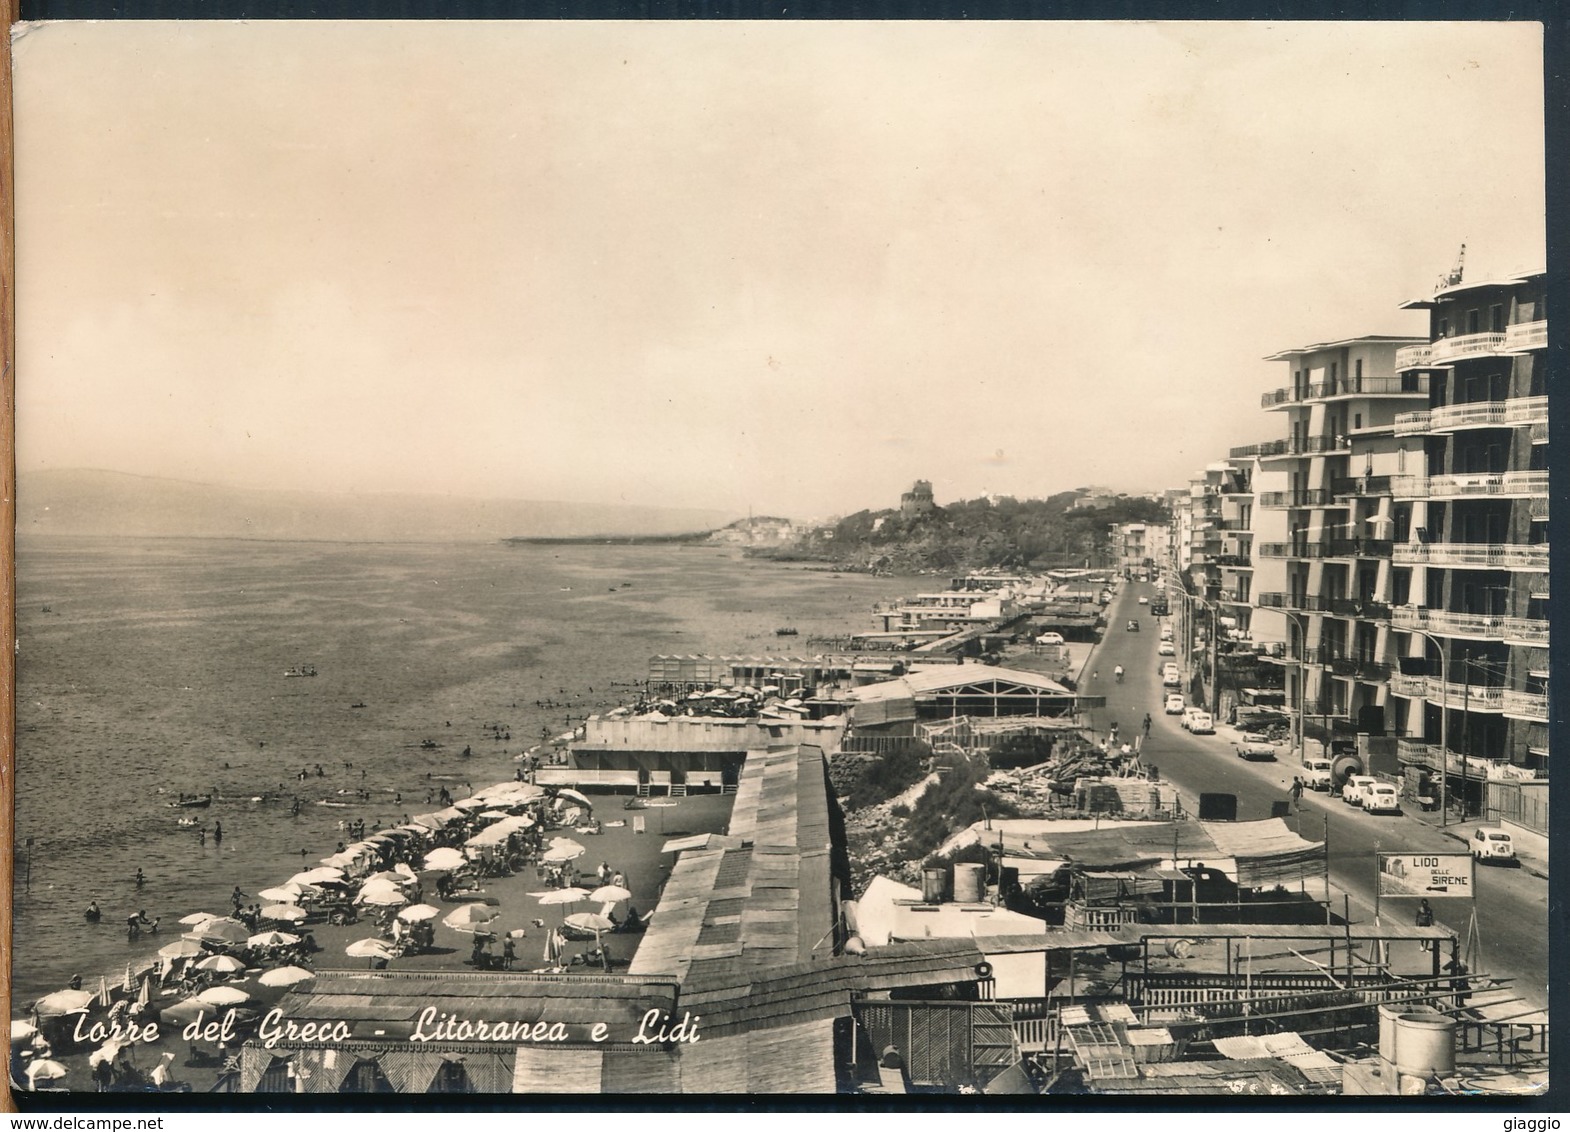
{"x": 1302, "y": 675}
{"x": 1210, "y": 608}
{"x": 1444, "y": 726}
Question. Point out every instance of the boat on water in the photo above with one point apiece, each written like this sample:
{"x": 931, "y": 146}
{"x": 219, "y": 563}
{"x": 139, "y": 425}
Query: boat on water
{"x": 785, "y": 632}
{"x": 196, "y": 802}
{"x": 358, "y": 704}
{"x": 302, "y": 670}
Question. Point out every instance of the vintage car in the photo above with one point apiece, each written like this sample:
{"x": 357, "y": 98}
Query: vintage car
{"x": 1492, "y": 845}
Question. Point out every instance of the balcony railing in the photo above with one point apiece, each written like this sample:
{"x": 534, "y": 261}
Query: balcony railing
{"x": 1413, "y": 423}
{"x": 1345, "y": 387}
{"x": 1526, "y": 631}
{"x": 1484, "y": 626}
{"x": 1309, "y": 497}
{"x": 1413, "y": 687}
{"x": 1466, "y": 346}
{"x": 1307, "y": 603}
{"x": 1473, "y": 414}
{"x": 1479, "y": 697}
{"x": 1526, "y": 705}
{"x": 1414, "y": 357}
{"x": 1359, "y": 548}
{"x": 1359, "y": 668}
{"x": 1290, "y": 550}
{"x": 1360, "y": 485}
{"x": 1526, "y": 410}
{"x": 1233, "y": 561}
{"x": 1366, "y": 609}
{"x": 1539, "y": 510}
{"x": 1517, "y": 484}
{"x": 1482, "y": 555}
{"x": 1524, "y": 336}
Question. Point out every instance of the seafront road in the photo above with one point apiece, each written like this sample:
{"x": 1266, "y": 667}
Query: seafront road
{"x": 1512, "y": 903}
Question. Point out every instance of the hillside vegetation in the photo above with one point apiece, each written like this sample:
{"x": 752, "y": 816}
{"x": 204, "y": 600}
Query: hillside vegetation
{"x": 972, "y": 534}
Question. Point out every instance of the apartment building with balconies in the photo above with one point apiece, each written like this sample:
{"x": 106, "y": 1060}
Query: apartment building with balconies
{"x": 1470, "y": 536}
{"x": 1323, "y": 524}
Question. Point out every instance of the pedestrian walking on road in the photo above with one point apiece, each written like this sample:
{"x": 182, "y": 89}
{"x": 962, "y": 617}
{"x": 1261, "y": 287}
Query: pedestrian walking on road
{"x": 1297, "y": 795}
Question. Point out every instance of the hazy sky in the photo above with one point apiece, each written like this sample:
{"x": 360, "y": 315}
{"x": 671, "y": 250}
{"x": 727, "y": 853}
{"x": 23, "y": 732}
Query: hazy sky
{"x": 785, "y": 266}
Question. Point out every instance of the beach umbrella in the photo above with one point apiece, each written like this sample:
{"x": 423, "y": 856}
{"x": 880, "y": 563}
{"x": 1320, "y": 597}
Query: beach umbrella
{"x": 290, "y": 913}
{"x": 22, "y": 1030}
{"x": 444, "y": 859}
{"x": 129, "y": 986}
{"x": 574, "y": 796}
{"x": 183, "y": 948}
{"x": 62, "y": 1002}
{"x": 561, "y": 895}
{"x": 382, "y": 898}
{"x": 468, "y": 804}
{"x": 272, "y": 939}
{"x": 369, "y": 948}
{"x": 219, "y": 931}
{"x": 316, "y": 876}
{"x": 103, "y": 991}
{"x": 559, "y": 856}
{"x": 589, "y": 922}
{"x": 196, "y": 918}
{"x": 390, "y": 876}
{"x": 494, "y": 815}
{"x": 285, "y": 976}
{"x": 553, "y": 946}
{"x": 427, "y": 822}
{"x": 610, "y": 894}
{"x": 415, "y": 913}
{"x": 223, "y": 964}
{"x": 282, "y": 894}
{"x": 106, "y": 1052}
{"x": 188, "y": 1010}
{"x": 45, "y": 1069}
{"x": 470, "y": 918}
{"x": 223, "y": 996}
{"x": 402, "y": 869}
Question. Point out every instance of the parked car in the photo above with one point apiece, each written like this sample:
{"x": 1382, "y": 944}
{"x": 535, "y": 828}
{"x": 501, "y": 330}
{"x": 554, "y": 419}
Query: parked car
{"x": 1256, "y": 752}
{"x": 1143, "y": 600}
{"x": 1174, "y": 704}
{"x": 1197, "y": 721}
{"x": 1381, "y": 798}
{"x": 1167, "y": 648}
{"x": 1318, "y": 774}
{"x": 1492, "y": 845}
{"x": 1050, "y": 639}
{"x": 1352, "y": 792}
{"x": 1133, "y": 626}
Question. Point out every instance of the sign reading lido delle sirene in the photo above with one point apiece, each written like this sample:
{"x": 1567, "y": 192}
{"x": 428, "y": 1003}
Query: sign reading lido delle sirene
{"x": 1425, "y": 874}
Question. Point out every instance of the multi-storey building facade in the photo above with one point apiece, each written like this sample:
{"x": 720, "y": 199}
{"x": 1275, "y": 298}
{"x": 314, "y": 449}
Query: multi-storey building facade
{"x": 1323, "y": 525}
{"x": 1140, "y": 548}
{"x": 1470, "y": 530}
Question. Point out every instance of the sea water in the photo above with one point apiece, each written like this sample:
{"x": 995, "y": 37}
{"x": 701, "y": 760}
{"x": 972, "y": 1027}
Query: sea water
{"x": 151, "y": 668}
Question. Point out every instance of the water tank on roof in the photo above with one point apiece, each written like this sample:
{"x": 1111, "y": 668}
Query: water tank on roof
{"x": 970, "y": 883}
{"x": 1425, "y": 1045}
{"x": 932, "y": 885}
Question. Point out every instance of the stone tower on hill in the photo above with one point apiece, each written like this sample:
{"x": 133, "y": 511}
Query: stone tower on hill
{"x": 918, "y": 500}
